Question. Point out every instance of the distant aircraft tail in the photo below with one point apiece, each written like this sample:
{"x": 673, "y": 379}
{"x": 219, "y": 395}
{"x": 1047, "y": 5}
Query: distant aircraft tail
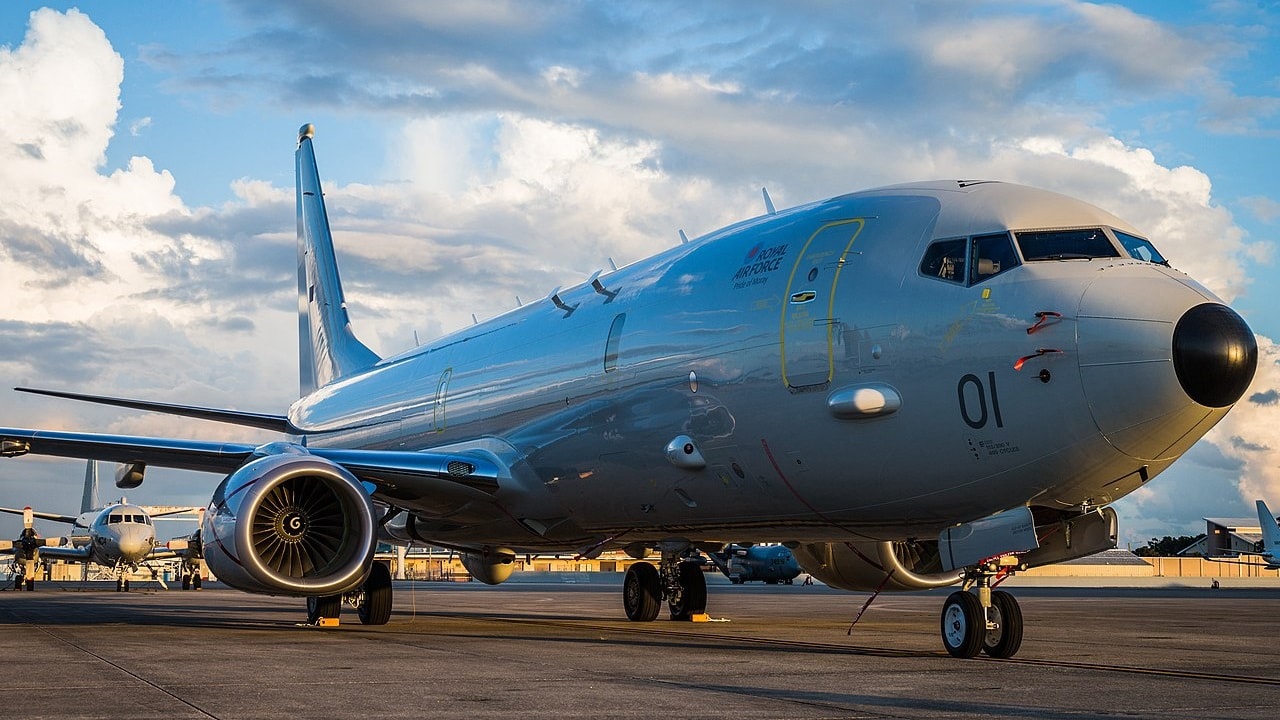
{"x": 89, "y": 501}
{"x": 1270, "y": 530}
{"x": 328, "y": 349}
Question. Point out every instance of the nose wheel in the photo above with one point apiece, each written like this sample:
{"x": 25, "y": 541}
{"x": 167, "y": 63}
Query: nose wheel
{"x": 988, "y": 621}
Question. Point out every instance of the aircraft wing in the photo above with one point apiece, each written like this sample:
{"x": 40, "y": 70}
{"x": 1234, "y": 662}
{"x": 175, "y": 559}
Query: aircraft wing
{"x": 42, "y": 515}
{"x": 75, "y": 554}
{"x": 164, "y": 452}
{"x": 400, "y": 475}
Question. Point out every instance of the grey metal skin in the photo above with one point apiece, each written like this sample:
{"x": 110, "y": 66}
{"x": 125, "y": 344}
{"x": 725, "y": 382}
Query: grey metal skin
{"x": 584, "y": 433}
{"x": 794, "y": 378}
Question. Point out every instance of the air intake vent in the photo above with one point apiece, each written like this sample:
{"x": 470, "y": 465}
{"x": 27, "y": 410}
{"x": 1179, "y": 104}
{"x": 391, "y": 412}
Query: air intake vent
{"x": 457, "y": 468}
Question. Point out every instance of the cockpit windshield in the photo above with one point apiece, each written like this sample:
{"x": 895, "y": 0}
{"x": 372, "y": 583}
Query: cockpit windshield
{"x": 1140, "y": 248}
{"x": 1065, "y": 245}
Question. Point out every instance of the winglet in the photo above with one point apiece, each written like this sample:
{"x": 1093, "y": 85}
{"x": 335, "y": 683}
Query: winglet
{"x": 327, "y": 347}
{"x": 768, "y": 202}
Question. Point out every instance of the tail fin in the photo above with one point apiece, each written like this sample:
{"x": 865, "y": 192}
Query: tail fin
{"x": 327, "y": 348}
{"x": 89, "y": 501}
{"x": 1270, "y": 530}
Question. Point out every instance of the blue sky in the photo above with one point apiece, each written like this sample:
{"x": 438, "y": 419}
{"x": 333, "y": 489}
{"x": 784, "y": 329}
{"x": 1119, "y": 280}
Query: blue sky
{"x": 147, "y": 173}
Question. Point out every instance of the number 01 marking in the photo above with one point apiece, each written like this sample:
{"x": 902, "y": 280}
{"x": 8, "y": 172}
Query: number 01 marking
{"x": 978, "y": 398}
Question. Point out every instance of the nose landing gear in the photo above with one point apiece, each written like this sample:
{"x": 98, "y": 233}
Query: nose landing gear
{"x": 986, "y": 621}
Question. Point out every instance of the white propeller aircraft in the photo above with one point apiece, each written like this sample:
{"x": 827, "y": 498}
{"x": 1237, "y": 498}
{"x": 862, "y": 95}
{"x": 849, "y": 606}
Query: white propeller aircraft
{"x": 119, "y": 536}
{"x": 911, "y": 387}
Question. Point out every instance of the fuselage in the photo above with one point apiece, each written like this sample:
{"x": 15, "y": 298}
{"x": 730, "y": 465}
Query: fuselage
{"x": 118, "y": 534}
{"x": 877, "y": 365}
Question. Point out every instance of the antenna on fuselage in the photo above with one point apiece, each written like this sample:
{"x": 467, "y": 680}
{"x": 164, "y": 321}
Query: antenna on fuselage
{"x": 684, "y": 239}
{"x": 768, "y": 202}
{"x": 612, "y": 264}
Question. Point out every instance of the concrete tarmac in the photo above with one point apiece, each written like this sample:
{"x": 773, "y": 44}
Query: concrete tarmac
{"x": 542, "y": 650}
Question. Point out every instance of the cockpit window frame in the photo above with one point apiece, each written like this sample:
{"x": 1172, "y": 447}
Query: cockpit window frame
{"x": 1136, "y": 245}
{"x": 939, "y": 260}
{"x": 1103, "y": 233}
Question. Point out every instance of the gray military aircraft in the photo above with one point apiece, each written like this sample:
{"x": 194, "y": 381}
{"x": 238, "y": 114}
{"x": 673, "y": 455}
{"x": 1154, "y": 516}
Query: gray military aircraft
{"x": 119, "y": 536}
{"x": 771, "y": 564}
{"x": 911, "y": 387}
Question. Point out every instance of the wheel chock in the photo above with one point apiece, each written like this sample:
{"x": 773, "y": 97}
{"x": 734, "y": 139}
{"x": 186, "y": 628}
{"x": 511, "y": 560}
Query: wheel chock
{"x": 327, "y": 622}
{"x": 699, "y": 617}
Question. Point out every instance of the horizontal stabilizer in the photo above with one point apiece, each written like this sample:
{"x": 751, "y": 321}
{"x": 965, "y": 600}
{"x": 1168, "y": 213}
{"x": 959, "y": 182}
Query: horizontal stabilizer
{"x": 172, "y": 511}
{"x": 278, "y": 423}
{"x": 42, "y": 515}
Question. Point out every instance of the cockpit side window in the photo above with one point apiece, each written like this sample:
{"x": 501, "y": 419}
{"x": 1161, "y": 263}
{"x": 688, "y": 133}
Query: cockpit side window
{"x": 992, "y": 255}
{"x": 1083, "y": 244}
{"x": 1140, "y": 248}
{"x": 945, "y": 260}
{"x": 115, "y": 519}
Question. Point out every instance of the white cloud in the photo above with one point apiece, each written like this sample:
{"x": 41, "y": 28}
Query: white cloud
{"x": 526, "y": 164}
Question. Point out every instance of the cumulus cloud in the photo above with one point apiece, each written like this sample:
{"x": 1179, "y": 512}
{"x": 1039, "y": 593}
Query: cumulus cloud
{"x": 532, "y": 144}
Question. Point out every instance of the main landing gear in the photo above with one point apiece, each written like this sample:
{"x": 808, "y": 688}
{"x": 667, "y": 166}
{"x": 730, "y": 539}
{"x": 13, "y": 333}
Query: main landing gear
{"x": 372, "y": 600}
{"x": 678, "y": 579}
{"x": 988, "y": 621}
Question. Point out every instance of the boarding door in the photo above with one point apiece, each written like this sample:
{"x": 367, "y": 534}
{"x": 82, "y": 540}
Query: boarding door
{"x": 809, "y": 322}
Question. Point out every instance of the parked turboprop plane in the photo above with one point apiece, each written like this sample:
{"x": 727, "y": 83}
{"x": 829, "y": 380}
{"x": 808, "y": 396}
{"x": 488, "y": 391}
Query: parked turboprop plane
{"x": 119, "y": 536}
{"x": 911, "y": 386}
{"x": 771, "y": 564}
{"x": 26, "y": 553}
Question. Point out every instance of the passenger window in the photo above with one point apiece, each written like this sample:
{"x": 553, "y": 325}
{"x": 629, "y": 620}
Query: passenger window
{"x": 1065, "y": 245}
{"x": 1140, "y": 248}
{"x": 945, "y": 260}
{"x": 992, "y": 255}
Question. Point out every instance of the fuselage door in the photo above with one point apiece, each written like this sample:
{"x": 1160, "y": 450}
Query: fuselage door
{"x": 809, "y": 322}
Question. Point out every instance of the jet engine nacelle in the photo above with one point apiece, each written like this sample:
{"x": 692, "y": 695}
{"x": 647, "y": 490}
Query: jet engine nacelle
{"x": 490, "y": 566}
{"x": 290, "y": 524}
{"x": 863, "y": 566}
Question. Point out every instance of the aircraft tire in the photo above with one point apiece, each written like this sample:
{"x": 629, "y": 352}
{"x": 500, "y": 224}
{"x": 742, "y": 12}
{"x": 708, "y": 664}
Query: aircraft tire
{"x": 642, "y": 592}
{"x": 186, "y": 582}
{"x": 693, "y": 593}
{"x": 195, "y": 581}
{"x": 17, "y": 582}
{"x": 375, "y": 609}
{"x": 963, "y": 629}
{"x": 1004, "y": 641}
{"x": 31, "y": 585}
{"x": 324, "y": 606}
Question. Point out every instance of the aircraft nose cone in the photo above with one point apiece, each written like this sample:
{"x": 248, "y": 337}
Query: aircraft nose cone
{"x": 1214, "y": 354}
{"x": 134, "y": 546}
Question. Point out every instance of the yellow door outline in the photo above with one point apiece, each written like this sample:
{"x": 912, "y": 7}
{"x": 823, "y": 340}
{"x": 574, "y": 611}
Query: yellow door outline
{"x": 787, "y": 297}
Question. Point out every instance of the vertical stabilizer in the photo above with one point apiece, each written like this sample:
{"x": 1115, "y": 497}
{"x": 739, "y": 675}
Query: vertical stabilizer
{"x": 1270, "y": 530}
{"x": 327, "y": 348}
{"x": 89, "y": 501}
